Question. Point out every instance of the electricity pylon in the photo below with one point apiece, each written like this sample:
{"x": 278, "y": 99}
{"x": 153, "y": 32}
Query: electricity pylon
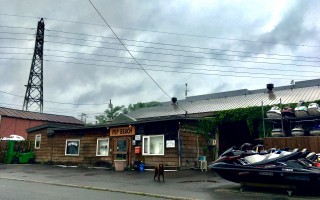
{"x": 34, "y": 91}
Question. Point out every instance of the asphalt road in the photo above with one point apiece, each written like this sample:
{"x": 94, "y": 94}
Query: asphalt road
{"x": 16, "y": 190}
{"x": 52, "y": 182}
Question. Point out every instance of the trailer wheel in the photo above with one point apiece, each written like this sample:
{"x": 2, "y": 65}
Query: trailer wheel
{"x": 15, "y": 160}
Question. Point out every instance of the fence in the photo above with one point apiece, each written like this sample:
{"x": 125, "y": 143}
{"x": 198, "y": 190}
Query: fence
{"x": 311, "y": 143}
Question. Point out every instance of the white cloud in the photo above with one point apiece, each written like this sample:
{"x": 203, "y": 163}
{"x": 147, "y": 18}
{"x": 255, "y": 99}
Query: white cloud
{"x": 236, "y": 36}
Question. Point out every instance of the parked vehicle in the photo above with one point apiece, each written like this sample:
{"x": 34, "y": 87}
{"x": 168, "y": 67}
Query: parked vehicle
{"x": 297, "y": 131}
{"x": 313, "y": 109}
{"x": 301, "y": 110}
{"x": 277, "y": 132}
{"x": 287, "y": 112}
{"x": 274, "y": 113}
{"x": 16, "y": 151}
{"x": 13, "y": 137}
{"x": 315, "y": 131}
{"x": 278, "y": 167}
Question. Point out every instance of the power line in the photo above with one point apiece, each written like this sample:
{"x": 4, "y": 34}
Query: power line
{"x": 174, "y": 71}
{"x": 17, "y": 27}
{"x": 179, "y": 55}
{"x": 198, "y": 64}
{"x": 170, "y": 33}
{"x": 184, "y": 46}
{"x": 128, "y": 50}
{"x": 176, "y": 50}
{"x": 176, "y": 62}
{"x": 298, "y": 75}
{"x": 173, "y": 62}
{"x": 188, "y": 68}
{"x": 176, "y": 45}
{"x": 55, "y": 110}
{"x": 185, "y": 51}
{"x": 164, "y": 66}
{"x": 2, "y": 38}
{"x": 76, "y": 104}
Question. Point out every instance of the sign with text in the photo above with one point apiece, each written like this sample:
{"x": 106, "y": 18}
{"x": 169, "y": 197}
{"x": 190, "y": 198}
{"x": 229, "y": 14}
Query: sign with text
{"x": 170, "y": 143}
{"x": 123, "y": 131}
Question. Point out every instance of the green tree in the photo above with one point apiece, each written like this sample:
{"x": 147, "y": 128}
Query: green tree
{"x": 133, "y": 107}
{"x": 111, "y": 112}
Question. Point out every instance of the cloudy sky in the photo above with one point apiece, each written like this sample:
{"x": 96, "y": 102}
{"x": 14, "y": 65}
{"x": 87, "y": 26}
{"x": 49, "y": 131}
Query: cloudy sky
{"x": 213, "y": 46}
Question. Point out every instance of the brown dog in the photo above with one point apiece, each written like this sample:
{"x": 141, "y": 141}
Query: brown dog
{"x": 159, "y": 171}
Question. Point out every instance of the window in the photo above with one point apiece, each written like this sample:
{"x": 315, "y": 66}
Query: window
{"x": 72, "y": 147}
{"x": 102, "y": 147}
{"x": 153, "y": 145}
{"x": 37, "y": 142}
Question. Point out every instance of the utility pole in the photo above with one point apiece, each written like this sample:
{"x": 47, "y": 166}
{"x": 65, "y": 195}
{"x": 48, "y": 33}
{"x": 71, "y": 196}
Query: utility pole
{"x": 186, "y": 92}
{"x": 84, "y": 118}
{"x": 34, "y": 90}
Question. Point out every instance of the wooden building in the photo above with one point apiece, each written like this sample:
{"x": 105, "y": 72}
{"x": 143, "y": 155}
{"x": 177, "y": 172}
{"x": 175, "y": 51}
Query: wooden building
{"x": 167, "y": 133}
{"x": 15, "y": 122}
{"x": 169, "y": 141}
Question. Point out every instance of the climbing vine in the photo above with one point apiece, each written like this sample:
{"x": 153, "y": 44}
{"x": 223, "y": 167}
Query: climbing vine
{"x": 222, "y": 118}
{"x": 250, "y": 115}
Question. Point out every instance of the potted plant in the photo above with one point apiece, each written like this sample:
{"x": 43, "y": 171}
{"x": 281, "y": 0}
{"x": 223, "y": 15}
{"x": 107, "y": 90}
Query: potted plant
{"x": 120, "y": 164}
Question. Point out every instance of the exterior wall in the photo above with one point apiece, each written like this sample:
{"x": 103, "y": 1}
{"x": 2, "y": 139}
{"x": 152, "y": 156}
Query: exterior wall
{"x": 52, "y": 149}
{"x": 193, "y": 146}
{"x": 10, "y": 126}
{"x": 311, "y": 143}
{"x": 42, "y": 155}
{"x": 170, "y": 158}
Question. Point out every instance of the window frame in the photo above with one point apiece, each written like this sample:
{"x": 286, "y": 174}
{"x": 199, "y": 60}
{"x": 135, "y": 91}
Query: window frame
{"x": 72, "y": 140}
{"x": 97, "y": 147}
{"x": 148, "y": 138}
{"x": 35, "y": 141}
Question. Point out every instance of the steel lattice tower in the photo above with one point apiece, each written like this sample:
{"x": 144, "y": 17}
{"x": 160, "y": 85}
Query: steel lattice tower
{"x": 34, "y": 91}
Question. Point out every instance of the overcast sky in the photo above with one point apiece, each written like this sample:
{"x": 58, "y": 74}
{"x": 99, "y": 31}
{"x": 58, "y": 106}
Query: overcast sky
{"x": 213, "y": 46}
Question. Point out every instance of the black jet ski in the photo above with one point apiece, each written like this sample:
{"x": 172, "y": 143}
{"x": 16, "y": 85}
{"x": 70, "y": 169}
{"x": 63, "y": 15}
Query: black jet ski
{"x": 273, "y": 167}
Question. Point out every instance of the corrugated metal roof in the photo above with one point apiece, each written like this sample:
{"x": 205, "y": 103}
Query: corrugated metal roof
{"x": 39, "y": 116}
{"x": 307, "y": 91}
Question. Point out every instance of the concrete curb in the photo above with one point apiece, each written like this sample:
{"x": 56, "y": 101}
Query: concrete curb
{"x": 101, "y": 189}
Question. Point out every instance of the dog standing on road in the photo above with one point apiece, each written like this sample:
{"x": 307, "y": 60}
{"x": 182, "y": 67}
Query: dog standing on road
{"x": 159, "y": 171}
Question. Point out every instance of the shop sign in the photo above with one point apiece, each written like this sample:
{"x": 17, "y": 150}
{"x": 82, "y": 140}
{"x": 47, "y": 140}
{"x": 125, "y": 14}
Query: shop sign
{"x": 170, "y": 143}
{"x": 137, "y": 137}
{"x": 122, "y": 131}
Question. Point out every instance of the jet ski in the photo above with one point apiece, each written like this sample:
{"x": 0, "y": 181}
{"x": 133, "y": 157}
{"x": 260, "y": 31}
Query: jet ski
{"x": 297, "y": 131}
{"x": 277, "y": 132}
{"x": 313, "y": 109}
{"x": 274, "y": 112}
{"x": 287, "y": 112}
{"x": 301, "y": 110}
{"x": 315, "y": 131}
{"x": 290, "y": 168}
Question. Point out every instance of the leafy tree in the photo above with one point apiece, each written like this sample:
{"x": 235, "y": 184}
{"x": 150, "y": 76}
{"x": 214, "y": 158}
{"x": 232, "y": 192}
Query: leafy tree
{"x": 111, "y": 112}
{"x": 133, "y": 107}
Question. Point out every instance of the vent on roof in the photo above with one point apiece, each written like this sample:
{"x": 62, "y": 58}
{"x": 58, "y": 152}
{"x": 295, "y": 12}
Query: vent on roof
{"x": 271, "y": 95}
{"x": 270, "y": 87}
{"x": 174, "y": 99}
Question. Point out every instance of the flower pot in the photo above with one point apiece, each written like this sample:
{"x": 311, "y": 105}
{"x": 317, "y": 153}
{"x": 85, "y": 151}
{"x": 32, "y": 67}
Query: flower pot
{"x": 120, "y": 165}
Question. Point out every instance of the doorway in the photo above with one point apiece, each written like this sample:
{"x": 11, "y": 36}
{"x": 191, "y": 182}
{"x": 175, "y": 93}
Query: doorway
{"x": 122, "y": 149}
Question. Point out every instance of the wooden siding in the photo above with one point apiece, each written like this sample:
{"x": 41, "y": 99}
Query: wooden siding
{"x": 192, "y": 146}
{"x": 52, "y": 149}
{"x": 312, "y": 143}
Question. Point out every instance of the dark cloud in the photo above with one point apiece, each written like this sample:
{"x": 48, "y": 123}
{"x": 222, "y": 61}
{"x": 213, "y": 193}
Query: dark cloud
{"x": 230, "y": 30}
